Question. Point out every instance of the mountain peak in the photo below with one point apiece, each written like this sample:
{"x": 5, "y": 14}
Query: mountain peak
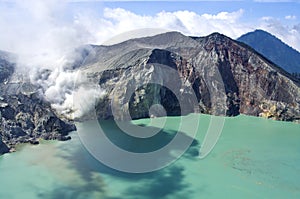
{"x": 274, "y": 49}
{"x": 217, "y": 35}
{"x": 262, "y": 31}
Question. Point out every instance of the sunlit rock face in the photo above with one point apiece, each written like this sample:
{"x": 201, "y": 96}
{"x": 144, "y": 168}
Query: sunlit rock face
{"x": 226, "y": 77}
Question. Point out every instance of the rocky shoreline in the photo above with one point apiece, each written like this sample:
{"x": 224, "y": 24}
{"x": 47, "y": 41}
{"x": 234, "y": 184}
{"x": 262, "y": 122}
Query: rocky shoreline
{"x": 26, "y": 117}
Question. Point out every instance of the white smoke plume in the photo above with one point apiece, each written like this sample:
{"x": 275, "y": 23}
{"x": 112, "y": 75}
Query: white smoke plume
{"x": 44, "y": 39}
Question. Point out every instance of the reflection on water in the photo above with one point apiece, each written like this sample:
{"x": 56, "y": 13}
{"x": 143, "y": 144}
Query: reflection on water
{"x": 254, "y": 158}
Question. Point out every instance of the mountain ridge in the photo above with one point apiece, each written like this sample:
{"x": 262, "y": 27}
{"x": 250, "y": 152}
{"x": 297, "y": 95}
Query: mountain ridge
{"x": 273, "y": 49}
{"x": 195, "y": 56}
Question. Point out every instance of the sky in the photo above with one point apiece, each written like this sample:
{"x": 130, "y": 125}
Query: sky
{"x": 62, "y": 24}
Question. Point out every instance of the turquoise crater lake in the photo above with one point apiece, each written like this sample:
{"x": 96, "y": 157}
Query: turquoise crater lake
{"x": 254, "y": 158}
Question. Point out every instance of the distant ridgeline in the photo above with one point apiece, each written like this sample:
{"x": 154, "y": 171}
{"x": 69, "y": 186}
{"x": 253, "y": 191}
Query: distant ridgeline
{"x": 274, "y": 49}
{"x": 296, "y": 75}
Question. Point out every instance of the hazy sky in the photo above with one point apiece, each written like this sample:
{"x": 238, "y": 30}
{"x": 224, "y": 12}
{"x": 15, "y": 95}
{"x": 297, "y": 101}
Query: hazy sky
{"x": 57, "y": 25}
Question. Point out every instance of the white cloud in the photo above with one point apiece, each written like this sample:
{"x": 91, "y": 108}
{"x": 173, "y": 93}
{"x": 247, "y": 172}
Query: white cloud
{"x": 39, "y": 28}
{"x": 119, "y": 20}
{"x": 230, "y": 17}
{"x": 266, "y": 18}
{"x": 288, "y": 34}
{"x": 44, "y": 38}
{"x": 190, "y": 23}
{"x": 290, "y": 17}
{"x": 38, "y": 31}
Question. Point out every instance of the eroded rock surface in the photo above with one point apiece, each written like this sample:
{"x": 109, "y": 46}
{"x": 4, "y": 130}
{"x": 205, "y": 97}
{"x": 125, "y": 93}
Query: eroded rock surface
{"x": 226, "y": 76}
{"x": 24, "y": 114}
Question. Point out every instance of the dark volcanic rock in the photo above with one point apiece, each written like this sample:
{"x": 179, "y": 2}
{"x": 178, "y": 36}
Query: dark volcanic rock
{"x": 3, "y": 147}
{"x": 33, "y": 118}
{"x": 226, "y": 76}
{"x": 25, "y": 116}
{"x": 17, "y": 131}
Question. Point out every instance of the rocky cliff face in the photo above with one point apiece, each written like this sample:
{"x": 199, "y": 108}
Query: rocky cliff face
{"x": 25, "y": 116}
{"x": 224, "y": 76}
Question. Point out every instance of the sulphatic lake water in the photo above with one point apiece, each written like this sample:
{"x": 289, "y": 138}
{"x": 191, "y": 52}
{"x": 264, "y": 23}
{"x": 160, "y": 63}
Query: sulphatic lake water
{"x": 254, "y": 158}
